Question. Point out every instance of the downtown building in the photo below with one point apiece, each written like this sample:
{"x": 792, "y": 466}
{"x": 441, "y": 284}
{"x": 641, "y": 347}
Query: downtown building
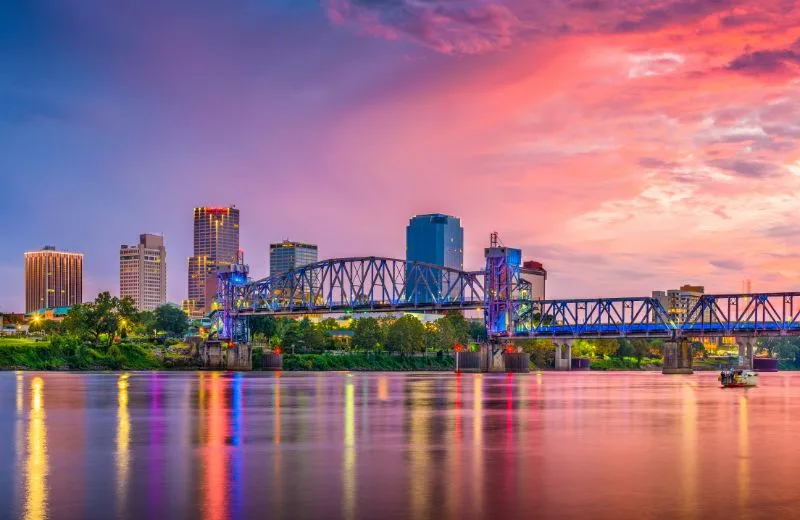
{"x": 216, "y": 245}
{"x": 52, "y": 279}
{"x": 143, "y": 272}
{"x": 679, "y": 304}
{"x": 433, "y": 239}
{"x": 288, "y": 255}
{"x": 535, "y": 274}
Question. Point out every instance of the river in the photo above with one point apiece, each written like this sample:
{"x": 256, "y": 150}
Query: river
{"x": 388, "y": 445}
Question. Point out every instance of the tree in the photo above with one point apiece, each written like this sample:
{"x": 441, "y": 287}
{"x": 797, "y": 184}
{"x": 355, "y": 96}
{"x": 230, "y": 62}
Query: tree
{"x": 367, "y": 334}
{"x": 406, "y": 334}
{"x": 782, "y": 348}
{"x": 266, "y": 325}
{"x": 314, "y": 339}
{"x": 328, "y": 324}
{"x": 641, "y": 347}
{"x": 459, "y": 326}
{"x": 95, "y": 319}
{"x": 605, "y": 347}
{"x": 145, "y": 323}
{"x": 291, "y": 335}
{"x": 477, "y": 331}
{"x": 171, "y": 319}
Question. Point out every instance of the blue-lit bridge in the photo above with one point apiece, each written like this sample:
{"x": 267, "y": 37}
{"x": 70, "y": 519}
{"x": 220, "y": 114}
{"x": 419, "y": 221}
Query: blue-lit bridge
{"x": 374, "y": 284}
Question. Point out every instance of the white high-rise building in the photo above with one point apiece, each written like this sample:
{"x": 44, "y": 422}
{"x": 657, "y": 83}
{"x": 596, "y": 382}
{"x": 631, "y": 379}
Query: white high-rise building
{"x": 143, "y": 272}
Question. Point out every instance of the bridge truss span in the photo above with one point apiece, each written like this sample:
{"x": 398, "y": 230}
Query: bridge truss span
{"x": 361, "y": 284}
{"x": 764, "y": 314}
{"x": 606, "y": 317}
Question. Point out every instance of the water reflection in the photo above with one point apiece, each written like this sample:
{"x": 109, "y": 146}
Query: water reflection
{"x": 454, "y": 455}
{"x": 622, "y": 446}
{"x": 36, "y": 466}
{"x": 20, "y": 392}
{"x": 349, "y": 456}
{"x": 237, "y": 440}
{"x": 744, "y": 456}
{"x": 419, "y": 442}
{"x": 477, "y": 445}
{"x": 215, "y": 505}
{"x": 689, "y": 455}
{"x": 123, "y": 449}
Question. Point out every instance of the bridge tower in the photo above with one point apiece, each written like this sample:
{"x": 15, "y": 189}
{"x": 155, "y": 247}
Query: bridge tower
{"x": 501, "y": 294}
{"x": 502, "y": 286}
{"x": 230, "y": 326}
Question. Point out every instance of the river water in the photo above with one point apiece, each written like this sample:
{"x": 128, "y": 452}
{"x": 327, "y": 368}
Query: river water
{"x": 381, "y": 446}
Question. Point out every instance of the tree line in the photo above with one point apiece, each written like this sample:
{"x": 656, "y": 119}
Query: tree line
{"x": 107, "y": 318}
{"x": 405, "y": 334}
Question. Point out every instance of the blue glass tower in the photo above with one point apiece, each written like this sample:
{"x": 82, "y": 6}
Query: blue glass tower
{"x": 435, "y": 239}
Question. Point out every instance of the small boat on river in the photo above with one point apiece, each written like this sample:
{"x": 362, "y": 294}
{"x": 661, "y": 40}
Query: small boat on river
{"x": 738, "y": 378}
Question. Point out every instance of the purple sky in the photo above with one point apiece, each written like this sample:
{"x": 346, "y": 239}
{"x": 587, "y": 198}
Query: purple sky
{"x": 628, "y": 145}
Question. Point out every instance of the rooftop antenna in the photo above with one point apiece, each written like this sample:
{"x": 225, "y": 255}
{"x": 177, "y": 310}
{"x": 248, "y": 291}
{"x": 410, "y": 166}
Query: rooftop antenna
{"x": 493, "y": 239}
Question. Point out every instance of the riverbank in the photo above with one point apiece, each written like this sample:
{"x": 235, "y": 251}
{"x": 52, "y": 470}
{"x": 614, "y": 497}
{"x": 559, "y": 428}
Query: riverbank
{"x": 69, "y": 354}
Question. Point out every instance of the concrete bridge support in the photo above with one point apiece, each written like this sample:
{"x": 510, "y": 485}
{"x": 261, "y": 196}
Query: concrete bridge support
{"x": 221, "y": 355}
{"x": 492, "y": 359}
{"x": 746, "y": 345}
{"x": 564, "y": 354}
{"x": 677, "y": 357}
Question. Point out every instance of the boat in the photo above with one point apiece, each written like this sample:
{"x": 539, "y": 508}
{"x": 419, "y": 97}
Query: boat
{"x": 738, "y": 378}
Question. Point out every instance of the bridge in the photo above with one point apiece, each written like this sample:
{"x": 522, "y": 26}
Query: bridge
{"x": 376, "y": 284}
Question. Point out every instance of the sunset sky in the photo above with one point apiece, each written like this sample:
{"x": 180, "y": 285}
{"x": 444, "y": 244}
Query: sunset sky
{"x": 629, "y": 145}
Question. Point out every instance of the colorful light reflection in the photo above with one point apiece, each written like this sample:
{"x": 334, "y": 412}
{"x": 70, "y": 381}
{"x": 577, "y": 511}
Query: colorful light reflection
{"x": 36, "y": 466}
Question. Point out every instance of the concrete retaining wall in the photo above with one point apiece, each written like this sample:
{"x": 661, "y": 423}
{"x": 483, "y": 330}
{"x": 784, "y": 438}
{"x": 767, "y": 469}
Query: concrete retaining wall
{"x": 468, "y": 361}
{"x": 517, "y": 362}
{"x": 271, "y": 361}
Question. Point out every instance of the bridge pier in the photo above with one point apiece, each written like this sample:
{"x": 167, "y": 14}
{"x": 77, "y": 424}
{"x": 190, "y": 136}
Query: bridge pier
{"x": 745, "y": 345}
{"x": 222, "y": 355}
{"x": 492, "y": 357}
{"x": 564, "y": 354}
{"x": 677, "y": 357}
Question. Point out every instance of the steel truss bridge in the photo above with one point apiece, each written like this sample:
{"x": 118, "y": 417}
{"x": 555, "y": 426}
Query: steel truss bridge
{"x": 373, "y": 284}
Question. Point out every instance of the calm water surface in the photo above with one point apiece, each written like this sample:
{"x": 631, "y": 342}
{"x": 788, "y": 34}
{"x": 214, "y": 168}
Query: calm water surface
{"x": 337, "y": 445}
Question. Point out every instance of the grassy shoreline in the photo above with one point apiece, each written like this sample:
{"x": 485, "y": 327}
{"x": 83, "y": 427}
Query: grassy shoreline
{"x": 68, "y": 354}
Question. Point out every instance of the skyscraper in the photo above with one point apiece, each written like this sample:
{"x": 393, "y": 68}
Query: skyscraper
{"x": 52, "y": 279}
{"x": 287, "y": 255}
{"x": 143, "y": 272}
{"x": 435, "y": 239}
{"x": 216, "y": 244}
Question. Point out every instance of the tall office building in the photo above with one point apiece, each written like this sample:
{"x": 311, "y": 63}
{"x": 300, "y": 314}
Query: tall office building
{"x": 435, "y": 239}
{"x": 52, "y": 279}
{"x": 287, "y": 255}
{"x": 143, "y": 272}
{"x": 216, "y": 244}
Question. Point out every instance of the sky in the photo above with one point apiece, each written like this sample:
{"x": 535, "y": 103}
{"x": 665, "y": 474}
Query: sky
{"x": 629, "y": 145}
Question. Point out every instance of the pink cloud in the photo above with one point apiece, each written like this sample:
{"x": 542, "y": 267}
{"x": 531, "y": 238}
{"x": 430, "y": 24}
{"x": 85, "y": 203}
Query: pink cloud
{"x": 468, "y": 27}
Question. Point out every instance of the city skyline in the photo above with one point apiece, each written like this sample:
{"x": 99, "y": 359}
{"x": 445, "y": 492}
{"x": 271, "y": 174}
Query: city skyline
{"x": 626, "y": 149}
